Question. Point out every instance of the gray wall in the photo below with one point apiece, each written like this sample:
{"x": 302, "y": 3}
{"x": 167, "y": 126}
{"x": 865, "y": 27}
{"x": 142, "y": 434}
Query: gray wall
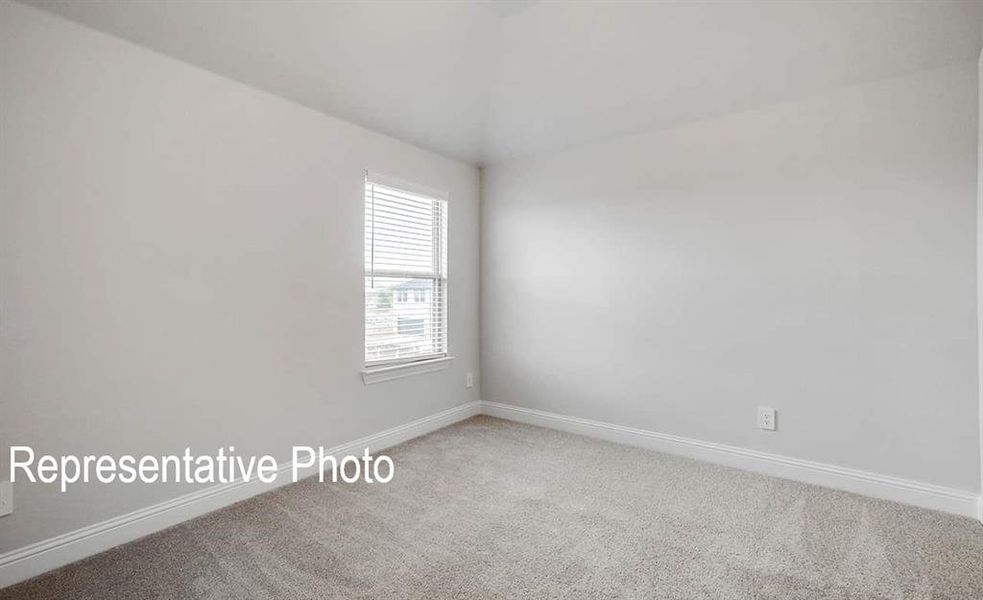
{"x": 979, "y": 258}
{"x": 816, "y": 256}
{"x": 181, "y": 265}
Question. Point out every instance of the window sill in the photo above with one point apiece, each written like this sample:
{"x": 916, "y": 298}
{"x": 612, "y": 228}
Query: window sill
{"x": 388, "y": 373}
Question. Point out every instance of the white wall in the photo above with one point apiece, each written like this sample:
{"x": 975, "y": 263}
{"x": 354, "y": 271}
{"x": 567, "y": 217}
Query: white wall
{"x": 181, "y": 265}
{"x": 816, "y": 256}
{"x": 979, "y": 261}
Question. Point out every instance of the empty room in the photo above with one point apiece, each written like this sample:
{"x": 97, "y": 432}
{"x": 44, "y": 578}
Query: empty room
{"x": 475, "y": 299}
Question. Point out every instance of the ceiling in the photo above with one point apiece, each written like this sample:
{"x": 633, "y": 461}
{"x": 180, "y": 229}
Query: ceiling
{"x": 483, "y": 81}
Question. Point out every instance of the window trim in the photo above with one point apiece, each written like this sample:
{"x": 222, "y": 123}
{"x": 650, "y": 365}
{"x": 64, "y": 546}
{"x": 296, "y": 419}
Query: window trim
{"x": 395, "y": 362}
{"x": 406, "y": 186}
{"x": 396, "y": 368}
{"x": 379, "y": 374}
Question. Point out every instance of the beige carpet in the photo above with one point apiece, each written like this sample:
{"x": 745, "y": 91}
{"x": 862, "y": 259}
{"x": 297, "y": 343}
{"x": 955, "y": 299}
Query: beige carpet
{"x": 492, "y": 509}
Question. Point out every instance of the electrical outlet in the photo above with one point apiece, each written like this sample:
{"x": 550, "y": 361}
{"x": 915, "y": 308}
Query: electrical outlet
{"x": 766, "y": 418}
{"x": 470, "y": 380}
{"x": 6, "y": 498}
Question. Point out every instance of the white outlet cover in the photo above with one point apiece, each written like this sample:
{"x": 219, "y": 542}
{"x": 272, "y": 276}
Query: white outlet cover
{"x": 766, "y": 418}
{"x": 6, "y": 498}
{"x": 470, "y": 380}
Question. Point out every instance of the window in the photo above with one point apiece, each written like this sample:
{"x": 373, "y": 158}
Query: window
{"x": 408, "y": 326}
{"x": 405, "y": 273}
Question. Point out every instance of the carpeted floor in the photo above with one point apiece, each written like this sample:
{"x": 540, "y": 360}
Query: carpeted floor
{"x": 492, "y": 509}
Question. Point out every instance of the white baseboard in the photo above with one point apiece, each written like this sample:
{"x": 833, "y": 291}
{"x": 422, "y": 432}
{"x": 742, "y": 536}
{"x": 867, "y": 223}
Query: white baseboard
{"x": 958, "y": 502}
{"x": 52, "y": 553}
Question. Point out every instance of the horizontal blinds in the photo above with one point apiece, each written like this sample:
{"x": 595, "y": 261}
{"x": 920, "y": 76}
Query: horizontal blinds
{"x": 405, "y": 275}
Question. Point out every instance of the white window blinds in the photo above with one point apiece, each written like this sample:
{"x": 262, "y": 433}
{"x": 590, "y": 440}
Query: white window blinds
{"x": 405, "y": 275}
